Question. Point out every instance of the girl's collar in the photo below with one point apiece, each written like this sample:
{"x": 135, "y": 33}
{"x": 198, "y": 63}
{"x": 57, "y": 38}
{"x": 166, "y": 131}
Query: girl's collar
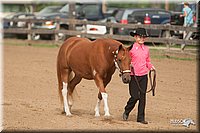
{"x": 137, "y": 45}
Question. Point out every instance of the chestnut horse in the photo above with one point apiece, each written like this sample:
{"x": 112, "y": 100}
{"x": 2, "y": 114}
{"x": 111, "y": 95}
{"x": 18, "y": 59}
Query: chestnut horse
{"x": 93, "y": 60}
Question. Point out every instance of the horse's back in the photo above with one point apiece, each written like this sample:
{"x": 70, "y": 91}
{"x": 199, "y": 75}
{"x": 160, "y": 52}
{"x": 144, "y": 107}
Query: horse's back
{"x": 84, "y": 56}
{"x": 68, "y": 45}
{"x": 105, "y": 43}
{"x": 72, "y": 41}
{"x": 84, "y": 43}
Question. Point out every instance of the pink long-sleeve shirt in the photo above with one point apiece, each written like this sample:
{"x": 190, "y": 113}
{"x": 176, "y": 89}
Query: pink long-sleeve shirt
{"x": 140, "y": 59}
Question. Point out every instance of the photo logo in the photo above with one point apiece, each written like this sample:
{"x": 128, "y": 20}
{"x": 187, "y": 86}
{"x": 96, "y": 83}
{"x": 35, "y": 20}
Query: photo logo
{"x": 185, "y": 122}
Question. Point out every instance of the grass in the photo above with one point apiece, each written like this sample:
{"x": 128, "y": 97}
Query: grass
{"x": 44, "y": 45}
{"x": 179, "y": 46}
{"x": 163, "y": 54}
{"x": 16, "y": 42}
{"x": 171, "y": 57}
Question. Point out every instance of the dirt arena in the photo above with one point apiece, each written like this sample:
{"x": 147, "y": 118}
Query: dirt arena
{"x": 31, "y": 99}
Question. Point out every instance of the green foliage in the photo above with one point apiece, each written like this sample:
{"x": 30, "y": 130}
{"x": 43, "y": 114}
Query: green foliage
{"x": 40, "y": 6}
{"x": 141, "y": 5}
{"x": 128, "y": 5}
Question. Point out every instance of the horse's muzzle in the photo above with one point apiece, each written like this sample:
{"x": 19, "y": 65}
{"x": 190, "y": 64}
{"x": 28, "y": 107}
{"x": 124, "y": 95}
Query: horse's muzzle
{"x": 126, "y": 78}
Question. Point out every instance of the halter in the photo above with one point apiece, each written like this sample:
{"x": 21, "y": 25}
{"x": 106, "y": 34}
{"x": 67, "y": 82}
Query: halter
{"x": 117, "y": 65}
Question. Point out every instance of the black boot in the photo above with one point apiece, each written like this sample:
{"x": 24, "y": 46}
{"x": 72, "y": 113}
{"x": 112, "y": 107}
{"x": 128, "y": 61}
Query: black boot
{"x": 143, "y": 122}
{"x": 125, "y": 116}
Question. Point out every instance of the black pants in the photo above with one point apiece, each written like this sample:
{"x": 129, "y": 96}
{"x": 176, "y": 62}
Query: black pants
{"x": 136, "y": 95}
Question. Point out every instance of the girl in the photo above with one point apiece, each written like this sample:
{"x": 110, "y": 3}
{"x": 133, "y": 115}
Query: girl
{"x": 140, "y": 60}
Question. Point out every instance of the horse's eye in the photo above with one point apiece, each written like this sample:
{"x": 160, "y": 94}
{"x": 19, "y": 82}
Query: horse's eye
{"x": 120, "y": 60}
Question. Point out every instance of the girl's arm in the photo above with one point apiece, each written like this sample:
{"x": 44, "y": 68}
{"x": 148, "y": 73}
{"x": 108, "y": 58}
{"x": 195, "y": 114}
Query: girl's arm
{"x": 148, "y": 61}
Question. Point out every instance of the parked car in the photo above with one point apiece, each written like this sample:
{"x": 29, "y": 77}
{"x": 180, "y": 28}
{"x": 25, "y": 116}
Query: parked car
{"x": 121, "y": 16}
{"x": 49, "y": 12}
{"x": 88, "y": 11}
{"x": 111, "y": 11}
{"x": 13, "y": 24}
{"x": 150, "y": 16}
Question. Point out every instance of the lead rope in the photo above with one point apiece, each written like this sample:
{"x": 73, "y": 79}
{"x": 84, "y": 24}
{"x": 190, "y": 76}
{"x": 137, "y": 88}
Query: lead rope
{"x": 153, "y": 85}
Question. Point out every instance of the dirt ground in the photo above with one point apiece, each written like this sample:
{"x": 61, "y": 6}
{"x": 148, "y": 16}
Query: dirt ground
{"x": 31, "y": 99}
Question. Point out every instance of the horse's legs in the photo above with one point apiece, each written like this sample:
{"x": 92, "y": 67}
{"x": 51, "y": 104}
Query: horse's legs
{"x": 65, "y": 78}
{"x": 98, "y": 105}
{"x": 105, "y": 96}
{"x": 100, "y": 84}
{"x": 71, "y": 87}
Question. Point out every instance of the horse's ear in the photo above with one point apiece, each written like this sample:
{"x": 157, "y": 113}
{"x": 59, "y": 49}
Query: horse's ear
{"x": 130, "y": 47}
{"x": 120, "y": 47}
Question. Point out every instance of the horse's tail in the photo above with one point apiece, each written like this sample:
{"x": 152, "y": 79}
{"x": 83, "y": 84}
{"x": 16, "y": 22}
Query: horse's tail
{"x": 59, "y": 83}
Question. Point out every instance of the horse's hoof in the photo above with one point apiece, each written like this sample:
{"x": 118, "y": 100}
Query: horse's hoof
{"x": 97, "y": 115}
{"x": 107, "y": 117}
{"x": 68, "y": 114}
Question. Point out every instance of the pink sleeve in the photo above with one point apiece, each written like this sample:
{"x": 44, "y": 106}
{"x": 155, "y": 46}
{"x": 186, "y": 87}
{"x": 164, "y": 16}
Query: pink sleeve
{"x": 148, "y": 61}
{"x": 132, "y": 66}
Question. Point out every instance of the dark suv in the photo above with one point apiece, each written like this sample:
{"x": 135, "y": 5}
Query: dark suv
{"x": 150, "y": 16}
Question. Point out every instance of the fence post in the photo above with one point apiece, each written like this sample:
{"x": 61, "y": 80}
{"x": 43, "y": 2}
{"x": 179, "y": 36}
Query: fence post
{"x": 72, "y": 13}
{"x": 29, "y": 30}
{"x": 57, "y": 29}
{"x": 167, "y": 36}
{"x": 111, "y": 29}
{"x": 84, "y": 31}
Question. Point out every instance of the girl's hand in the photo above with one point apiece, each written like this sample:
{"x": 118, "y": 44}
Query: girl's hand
{"x": 153, "y": 68}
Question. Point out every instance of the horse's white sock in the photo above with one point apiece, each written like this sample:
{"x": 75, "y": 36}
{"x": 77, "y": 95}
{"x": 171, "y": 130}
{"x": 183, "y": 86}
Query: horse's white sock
{"x": 70, "y": 101}
{"x": 105, "y": 99}
{"x": 97, "y": 108}
{"x": 64, "y": 94}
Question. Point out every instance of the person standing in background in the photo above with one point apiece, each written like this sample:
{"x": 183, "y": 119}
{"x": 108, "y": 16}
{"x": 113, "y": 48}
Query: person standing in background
{"x": 187, "y": 14}
{"x": 188, "y": 19}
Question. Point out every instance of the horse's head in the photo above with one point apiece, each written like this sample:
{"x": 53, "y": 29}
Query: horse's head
{"x": 122, "y": 61}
